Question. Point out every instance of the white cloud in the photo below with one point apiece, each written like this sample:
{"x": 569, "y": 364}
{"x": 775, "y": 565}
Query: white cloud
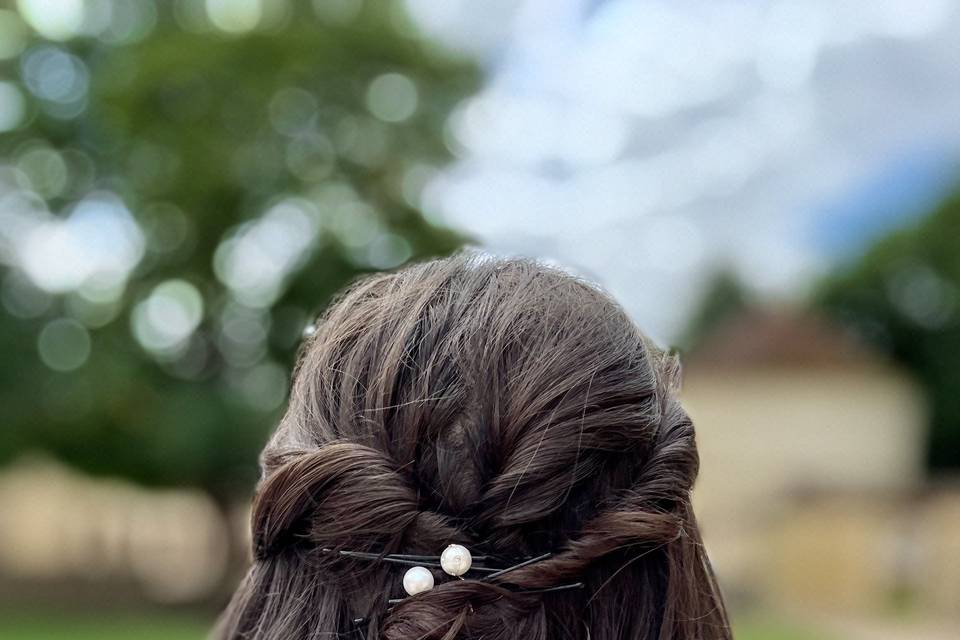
{"x": 646, "y": 142}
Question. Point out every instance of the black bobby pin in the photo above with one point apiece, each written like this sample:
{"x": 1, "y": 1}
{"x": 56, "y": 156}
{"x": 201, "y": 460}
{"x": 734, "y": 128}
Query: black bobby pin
{"x": 563, "y": 587}
{"x": 407, "y": 556}
{"x": 407, "y": 559}
{"x": 433, "y": 561}
{"x": 497, "y": 574}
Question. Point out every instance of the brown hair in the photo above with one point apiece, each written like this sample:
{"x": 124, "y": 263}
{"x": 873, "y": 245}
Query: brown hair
{"x": 499, "y": 404}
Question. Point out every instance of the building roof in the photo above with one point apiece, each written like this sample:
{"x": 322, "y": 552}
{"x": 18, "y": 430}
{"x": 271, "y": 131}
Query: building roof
{"x": 762, "y": 337}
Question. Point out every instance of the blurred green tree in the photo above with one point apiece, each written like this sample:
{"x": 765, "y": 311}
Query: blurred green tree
{"x": 188, "y": 183}
{"x": 904, "y": 295}
{"x": 724, "y": 297}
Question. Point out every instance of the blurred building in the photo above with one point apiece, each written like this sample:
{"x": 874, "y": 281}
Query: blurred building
{"x": 812, "y": 488}
{"x": 86, "y": 540}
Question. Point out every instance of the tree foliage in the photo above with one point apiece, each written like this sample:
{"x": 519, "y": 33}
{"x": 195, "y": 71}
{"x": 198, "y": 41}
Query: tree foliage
{"x": 263, "y": 170}
{"x": 724, "y": 297}
{"x": 904, "y": 295}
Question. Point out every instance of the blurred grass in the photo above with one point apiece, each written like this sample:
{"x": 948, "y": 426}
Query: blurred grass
{"x": 768, "y": 627}
{"x": 101, "y": 626}
{"x": 112, "y": 626}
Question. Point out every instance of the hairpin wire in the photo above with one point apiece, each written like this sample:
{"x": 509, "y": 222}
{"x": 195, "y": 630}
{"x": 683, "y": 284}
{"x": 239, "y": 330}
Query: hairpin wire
{"x": 497, "y": 574}
{"x": 408, "y": 556}
{"x": 433, "y": 561}
{"x": 406, "y": 559}
{"x": 562, "y": 587}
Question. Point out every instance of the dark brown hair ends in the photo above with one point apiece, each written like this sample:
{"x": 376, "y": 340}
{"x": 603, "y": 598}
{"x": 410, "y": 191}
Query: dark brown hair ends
{"x": 499, "y": 404}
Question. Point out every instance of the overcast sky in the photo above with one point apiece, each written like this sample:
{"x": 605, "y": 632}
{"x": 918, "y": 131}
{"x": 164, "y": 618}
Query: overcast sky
{"x": 647, "y": 143}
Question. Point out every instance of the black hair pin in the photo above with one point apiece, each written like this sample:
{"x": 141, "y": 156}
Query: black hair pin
{"x": 437, "y": 562}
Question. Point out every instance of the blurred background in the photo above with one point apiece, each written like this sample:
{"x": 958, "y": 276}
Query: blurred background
{"x": 769, "y": 187}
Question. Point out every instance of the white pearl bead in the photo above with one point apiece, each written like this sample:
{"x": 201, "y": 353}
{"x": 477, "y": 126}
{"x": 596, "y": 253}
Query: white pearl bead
{"x": 417, "y": 580}
{"x": 456, "y": 560}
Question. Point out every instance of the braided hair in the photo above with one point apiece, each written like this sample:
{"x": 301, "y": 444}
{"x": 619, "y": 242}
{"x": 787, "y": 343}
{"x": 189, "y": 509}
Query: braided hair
{"x": 499, "y": 404}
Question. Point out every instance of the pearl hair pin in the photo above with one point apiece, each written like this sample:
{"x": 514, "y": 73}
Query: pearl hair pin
{"x": 417, "y": 580}
{"x": 456, "y": 560}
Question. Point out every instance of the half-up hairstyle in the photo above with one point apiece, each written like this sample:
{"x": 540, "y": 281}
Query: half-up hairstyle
{"x": 498, "y": 404}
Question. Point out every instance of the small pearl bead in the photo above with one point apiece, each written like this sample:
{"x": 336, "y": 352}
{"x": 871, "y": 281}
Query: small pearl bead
{"x": 417, "y": 580}
{"x": 456, "y": 560}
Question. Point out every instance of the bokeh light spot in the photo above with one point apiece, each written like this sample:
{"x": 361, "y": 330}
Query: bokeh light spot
{"x": 414, "y": 182}
{"x": 355, "y": 224}
{"x": 53, "y": 19}
{"x": 99, "y": 238}
{"x": 165, "y": 320}
{"x": 235, "y": 16}
{"x": 243, "y": 334}
{"x": 256, "y": 258}
{"x": 64, "y": 344}
{"x": 100, "y": 288}
{"x": 388, "y": 250}
{"x": 93, "y": 314}
{"x": 13, "y": 35}
{"x": 392, "y": 97}
{"x": 58, "y": 78}
{"x": 924, "y": 296}
{"x": 12, "y": 106}
{"x": 129, "y": 21}
{"x": 46, "y": 170}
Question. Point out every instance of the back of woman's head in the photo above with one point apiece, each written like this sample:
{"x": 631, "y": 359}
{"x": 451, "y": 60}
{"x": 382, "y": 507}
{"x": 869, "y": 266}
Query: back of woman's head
{"x": 501, "y": 405}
